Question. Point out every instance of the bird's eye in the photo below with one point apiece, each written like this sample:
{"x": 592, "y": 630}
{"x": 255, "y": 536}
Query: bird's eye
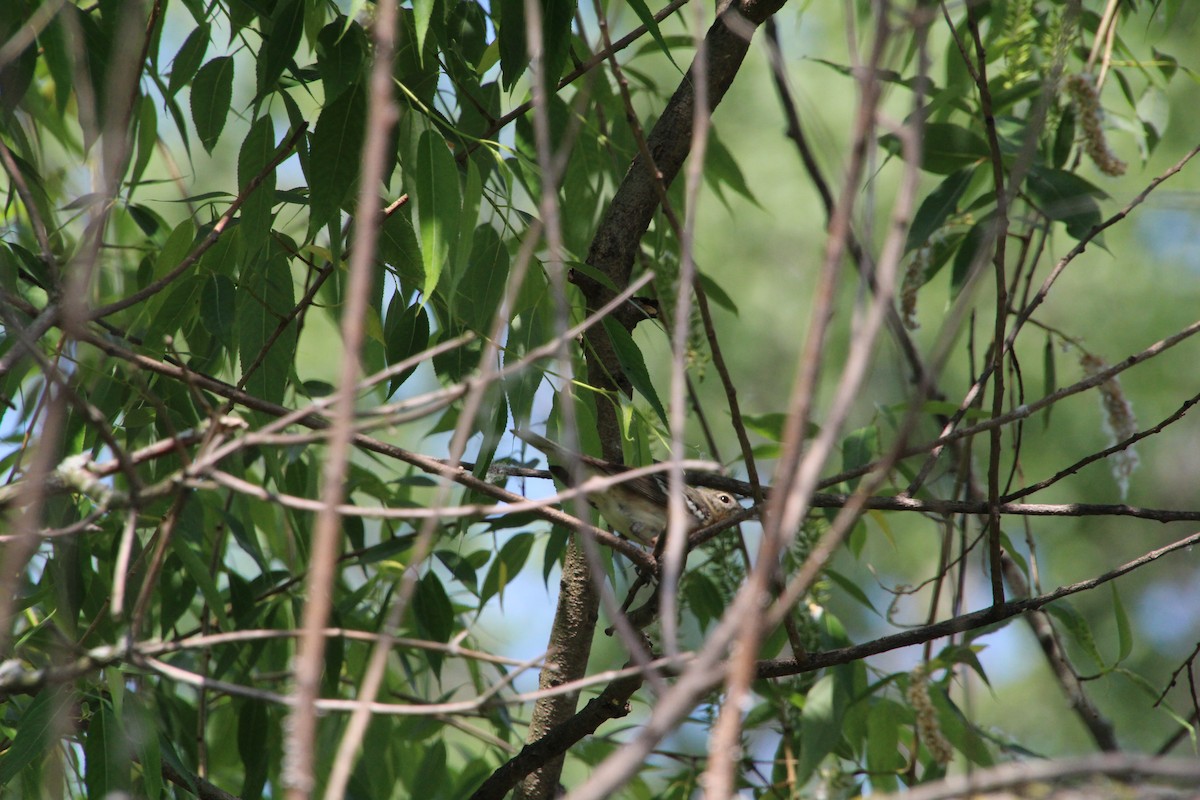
{"x": 726, "y": 498}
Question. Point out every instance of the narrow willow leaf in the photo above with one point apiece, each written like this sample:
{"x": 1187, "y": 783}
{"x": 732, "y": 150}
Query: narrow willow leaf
{"x": 211, "y": 93}
{"x": 283, "y": 37}
{"x": 506, "y": 566}
{"x": 514, "y": 56}
{"x": 946, "y": 147}
{"x": 252, "y": 732}
{"x": 335, "y": 159}
{"x": 257, "y": 149}
{"x": 264, "y": 296}
{"x": 643, "y": 12}
{"x": 199, "y": 572}
{"x": 422, "y": 13}
{"x": 478, "y": 293}
{"x": 341, "y": 55}
{"x": 937, "y": 206}
{"x": 438, "y": 206}
{"x": 217, "y": 300}
{"x": 37, "y": 725}
{"x": 820, "y": 726}
{"x": 633, "y": 365}
{"x": 557, "y": 16}
{"x": 189, "y": 58}
{"x": 884, "y": 759}
{"x": 147, "y": 140}
{"x": 176, "y": 248}
{"x": 405, "y": 333}
{"x": 1124, "y": 629}
{"x": 1049, "y": 376}
{"x": 969, "y": 255}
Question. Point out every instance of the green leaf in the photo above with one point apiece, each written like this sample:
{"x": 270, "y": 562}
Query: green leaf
{"x": 715, "y": 293}
{"x": 557, "y": 16}
{"x": 643, "y": 12}
{"x": 769, "y": 426}
{"x": 37, "y": 726}
{"x": 438, "y": 206}
{"x": 633, "y": 365}
{"x": 851, "y": 588}
{"x": 703, "y": 598}
{"x": 969, "y": 256}
{"x": 936, "y": 207}
{"x": 1124, "y": 629}
{"x": 176, "y": 248}
{"x": 398, "y": 248}
{"x": 593, "y": 273}
{"x": 202, "y": 576}
{"x": 422, "y": 13}
{"x": 341, "y": 56}
{"x": 820, "y": 727}
{"x": 432, "y": 771}
{"x": 336, "y": 149}
{"x": 259, "y": 146}
{"x": 947, "y": 147}
{"x": 211, "y": 93}
{"x": 721, "y": 169}
{"x": 958, "y": 730}
{"x": 139, "y": 717}
{"x": 472, "y": 196}
{"x": 405, "y": 333}
{"x": 1064, "y": 138}
{"x": 107, "y": 765}
{"x": 1049, "y": 375}
{"x": 1067, "y": 198}
{"x": 479, "y": 291}
{"x": 217, "y": 299}
{"x": 189, "y": 58}
{"x": 467, "y": 32}
{"x": 884, "y": 760}
{"x": 1078, "y": 629}
{"x": 1167, "y": 64}
{"x": 17, "y": 71}
{"x": 514, "y": 56}
{"x": 147, "y": 140}
{"x": 858, "y": 448}
{"x": 434, "y": 614}
{"x": 284, "y": 30}
{"x": 252, "y": 732}
{"x": 58, "y": 62}
{"x": 264, "y": 296}
{"x": 174, "y": 309}
{"x": 506, "y": 566}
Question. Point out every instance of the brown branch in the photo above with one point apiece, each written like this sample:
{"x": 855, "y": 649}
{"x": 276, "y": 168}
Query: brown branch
{"x": 778, "y": 668}
{"x": 1037, "y": 300}
{"x": 997, "y": 237}
{"x": 1098, "y": 726}
{"x": 1124, "y": 444}
{"x": 612, "y": 703}
{"x": 993, "y": 781}
{"x": 300, "y": 738}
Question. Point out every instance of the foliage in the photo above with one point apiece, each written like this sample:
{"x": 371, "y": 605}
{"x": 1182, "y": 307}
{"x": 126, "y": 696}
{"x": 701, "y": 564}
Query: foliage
{"x": 183, "y": 238}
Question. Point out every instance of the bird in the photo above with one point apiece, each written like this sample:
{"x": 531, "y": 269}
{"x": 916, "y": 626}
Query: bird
{"x": 637, "y": 508}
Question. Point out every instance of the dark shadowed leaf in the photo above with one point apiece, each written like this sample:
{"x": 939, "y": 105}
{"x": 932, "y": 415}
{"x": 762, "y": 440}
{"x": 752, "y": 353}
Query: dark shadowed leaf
{"x": 335, "y": 159}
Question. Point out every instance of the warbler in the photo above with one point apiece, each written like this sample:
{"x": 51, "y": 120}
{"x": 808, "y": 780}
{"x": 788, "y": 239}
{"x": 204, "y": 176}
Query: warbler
{"x": 637, "y": 508}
